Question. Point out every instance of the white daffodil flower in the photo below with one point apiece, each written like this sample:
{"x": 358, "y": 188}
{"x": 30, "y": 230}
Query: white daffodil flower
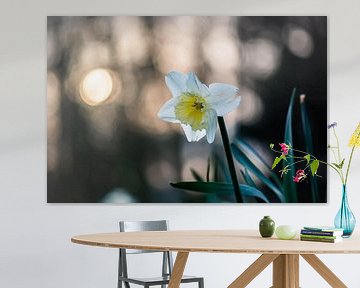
{"x": 196, "y": 106}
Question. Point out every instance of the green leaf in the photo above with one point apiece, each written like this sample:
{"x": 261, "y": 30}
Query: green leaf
{"x": 314, "y": 166}
{"x": 339, "y": 166}
{"x": 271, "y": 146}
{"x": 246, "y": 162}
{"x": 249, "y": 181}
{"x": 277, "y": 160}
{"x": 208, "y": 171}
{"x": 246, "y": 147}
{"x": 307, "y": 157}
{"x": 221, "y": 188}
{"x": 205, "y": 187}
{"x": 221, "y": 172}
{"x": 250, "y": 191}
{"x": 309, "y": 145}
{"x": 289, "y": 186}
{"x": 336, "y": 165}
{"x": 342, "y": 163}
{"x": 196, "y": 175}
{"x": 216, "y": 170}
{"x": 248, "y": 178}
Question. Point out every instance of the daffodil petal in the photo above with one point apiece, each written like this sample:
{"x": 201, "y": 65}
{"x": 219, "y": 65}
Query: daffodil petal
{"x": 195, "y": 86}
{"x": 193, "y": 83}
{"x": 226, "y": 107}
{"x": 211, "y": 125}
{"x": 223, "y": 98}
{"x": 204, "y": 90}
{"x": 167, "y": 111}
{"x": 191, "y": 135}
{"x": 176, "y": 83}
{"x": 223, "y": 90}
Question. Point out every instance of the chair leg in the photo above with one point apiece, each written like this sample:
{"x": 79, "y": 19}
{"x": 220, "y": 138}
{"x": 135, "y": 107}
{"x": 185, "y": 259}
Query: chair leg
{"x": 201, "y": 283}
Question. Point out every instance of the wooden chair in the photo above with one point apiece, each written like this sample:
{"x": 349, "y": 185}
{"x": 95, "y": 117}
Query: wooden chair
{"x": 167, "y": 262}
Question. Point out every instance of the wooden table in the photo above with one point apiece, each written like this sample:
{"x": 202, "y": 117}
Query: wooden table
{"x": 284, "y": 254}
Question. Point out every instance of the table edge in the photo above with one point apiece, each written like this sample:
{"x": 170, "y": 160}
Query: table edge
{"x": 206, "y": 250}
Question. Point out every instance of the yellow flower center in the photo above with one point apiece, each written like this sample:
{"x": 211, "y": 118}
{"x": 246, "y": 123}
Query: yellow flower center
{"x": 190, "y": 110}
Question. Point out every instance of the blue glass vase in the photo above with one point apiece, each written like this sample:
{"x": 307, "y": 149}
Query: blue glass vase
{"x": 345, "y": 219}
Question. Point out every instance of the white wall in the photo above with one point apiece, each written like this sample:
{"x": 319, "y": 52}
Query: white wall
{"x": 35, "y": 248}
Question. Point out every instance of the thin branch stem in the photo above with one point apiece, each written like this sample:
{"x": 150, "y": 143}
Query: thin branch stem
{"x": 338, "y": 145}
{"x": 333, "y": 152}
{"x": 340, "y": 158}
{"x": 295, "y": 163}
{"x": 348, "y": 167}
{"x": 313, "y": 158}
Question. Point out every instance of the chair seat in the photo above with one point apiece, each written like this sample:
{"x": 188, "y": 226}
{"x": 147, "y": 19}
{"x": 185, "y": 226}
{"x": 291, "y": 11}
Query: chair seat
{"x": 158, "y": 280}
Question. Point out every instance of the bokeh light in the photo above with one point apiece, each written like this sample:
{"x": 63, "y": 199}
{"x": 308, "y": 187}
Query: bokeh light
{"x": 262, "y": 57}
{"x": 119, "y": 196}
{"x": 53, "y": 121}
{"x": 131, "y": 40}
{"x": 176, "y": 43}
{"x": 299, "y": 41}
{"x": 96, "y": 87}
{"x": 250, "y": 111}
{"x": 221, "y": 48}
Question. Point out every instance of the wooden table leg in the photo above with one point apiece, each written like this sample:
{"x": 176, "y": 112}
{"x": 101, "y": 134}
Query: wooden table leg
{"x": 253, "y": 270}
{"x": 293, "y": 261}
{"x": 178, "y": 270}
{"x": 324, "y": 271}
{"x": 286, "y": 271}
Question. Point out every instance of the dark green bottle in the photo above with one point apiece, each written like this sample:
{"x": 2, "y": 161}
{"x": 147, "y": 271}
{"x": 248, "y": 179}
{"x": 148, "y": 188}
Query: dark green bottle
{"x": 267, "y": 227}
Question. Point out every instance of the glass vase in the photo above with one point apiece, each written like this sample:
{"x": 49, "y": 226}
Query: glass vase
{"x": 345, "y": 219}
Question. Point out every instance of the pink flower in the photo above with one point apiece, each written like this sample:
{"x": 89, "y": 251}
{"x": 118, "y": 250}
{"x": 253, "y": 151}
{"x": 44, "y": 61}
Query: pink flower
{"x": 284, "y": 148}
{"x": 300, "y": 175}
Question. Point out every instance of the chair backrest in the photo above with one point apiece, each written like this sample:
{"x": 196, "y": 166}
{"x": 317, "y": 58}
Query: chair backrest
{"x": 135, "y": 226}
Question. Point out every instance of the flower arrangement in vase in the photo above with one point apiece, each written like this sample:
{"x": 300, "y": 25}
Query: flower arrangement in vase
{"x": 344, "y": 219}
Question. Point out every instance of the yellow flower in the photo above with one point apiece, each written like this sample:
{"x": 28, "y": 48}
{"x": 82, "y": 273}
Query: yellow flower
{"x": 355, "y": 138}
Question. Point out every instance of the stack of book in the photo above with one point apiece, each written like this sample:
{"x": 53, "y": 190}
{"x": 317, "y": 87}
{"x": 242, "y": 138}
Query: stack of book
{"x": 321, "y": 234}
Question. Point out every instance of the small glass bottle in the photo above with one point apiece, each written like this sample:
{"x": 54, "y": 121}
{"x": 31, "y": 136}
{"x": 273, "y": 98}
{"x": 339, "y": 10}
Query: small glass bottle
{"x": 266, "y": 227}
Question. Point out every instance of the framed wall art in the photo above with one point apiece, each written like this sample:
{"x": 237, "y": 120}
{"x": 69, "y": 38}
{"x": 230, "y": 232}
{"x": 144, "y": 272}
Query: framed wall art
{"x": 139, "y": 109}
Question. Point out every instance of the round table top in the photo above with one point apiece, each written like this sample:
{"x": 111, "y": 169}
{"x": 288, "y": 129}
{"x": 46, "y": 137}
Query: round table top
{"x": 219, "y": 241}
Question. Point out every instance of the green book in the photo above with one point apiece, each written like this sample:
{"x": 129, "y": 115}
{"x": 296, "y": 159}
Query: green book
{"x": 319, "y": 236}
{"x": 325, "y": 240}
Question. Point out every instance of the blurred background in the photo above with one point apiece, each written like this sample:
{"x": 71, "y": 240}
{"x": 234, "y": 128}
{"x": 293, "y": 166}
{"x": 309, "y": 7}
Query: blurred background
{"x": 105, "y": 85}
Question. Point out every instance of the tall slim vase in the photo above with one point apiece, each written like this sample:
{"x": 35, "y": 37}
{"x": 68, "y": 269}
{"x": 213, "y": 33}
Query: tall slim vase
{"x": 345, "y": 219}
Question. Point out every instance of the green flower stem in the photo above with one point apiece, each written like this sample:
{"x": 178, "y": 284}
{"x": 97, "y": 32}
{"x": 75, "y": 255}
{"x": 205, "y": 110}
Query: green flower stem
{"x": 338, "y": 145}
{"x": 230, "y": 160}
{"x": 340, "y": 158}
{"x": 350, "y": 159}
{"x": 333, "y": 152}
{"x": 297, "y": 162}
{"x": 348, "y": 167}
